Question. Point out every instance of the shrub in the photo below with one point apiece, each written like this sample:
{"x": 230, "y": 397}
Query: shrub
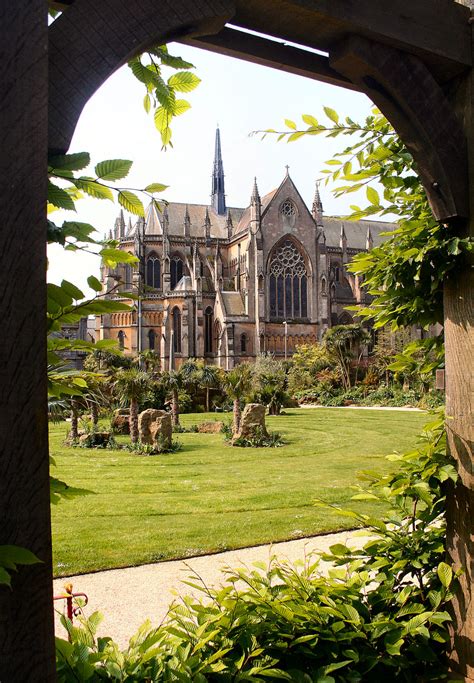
{"x": 260, "y": 440}
{"x": 179, "y": 429}
{"x": 154, "y": 449}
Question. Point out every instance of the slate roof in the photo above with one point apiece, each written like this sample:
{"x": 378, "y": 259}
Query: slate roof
{"x": 356, "y": 231}
{"x": 197, "y": 215}
{"x": 233, "y": 303}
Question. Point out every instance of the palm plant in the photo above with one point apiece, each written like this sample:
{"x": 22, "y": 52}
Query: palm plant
{"x": 340, "y": 342}
{"x": 209, "y": 377}
{"x": 237, "y": 383}
{"x": 151, "y": 361}
{"x": 131, "y": 386}
{"x": 174, "y": 381}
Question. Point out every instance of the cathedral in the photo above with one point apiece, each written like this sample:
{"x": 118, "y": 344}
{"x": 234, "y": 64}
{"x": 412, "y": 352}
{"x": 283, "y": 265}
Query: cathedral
{"x": 225, "y": 284}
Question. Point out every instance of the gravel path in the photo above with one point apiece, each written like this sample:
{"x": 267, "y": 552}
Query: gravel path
{"x": 127, "y": 597}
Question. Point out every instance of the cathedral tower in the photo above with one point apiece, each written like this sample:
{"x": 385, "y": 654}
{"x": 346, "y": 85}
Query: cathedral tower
{"x": 218, "y": 192}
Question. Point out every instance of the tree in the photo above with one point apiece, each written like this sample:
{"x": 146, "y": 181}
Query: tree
{"x": 237, "y": 383}
{"x": 340, "y": 342}
{"x": 131, "y": 387}
{"x": 174, "y": 381}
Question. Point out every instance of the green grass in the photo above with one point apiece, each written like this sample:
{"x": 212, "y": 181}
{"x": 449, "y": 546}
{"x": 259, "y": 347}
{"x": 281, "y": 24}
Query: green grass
{"x": 210, "y": 497}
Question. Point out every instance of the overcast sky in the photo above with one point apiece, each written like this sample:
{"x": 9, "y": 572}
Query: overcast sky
{"x": 240, "y": 97}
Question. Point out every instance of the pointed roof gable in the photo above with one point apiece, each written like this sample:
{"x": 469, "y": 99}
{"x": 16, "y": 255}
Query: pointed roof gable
{"x": 281, "y": 192}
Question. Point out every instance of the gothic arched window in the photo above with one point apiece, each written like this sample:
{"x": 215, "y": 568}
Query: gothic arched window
{"x": 127, "y": 278}
{"x": 208, "y": 324}
{"x": 121, "y": 339}
{"x": 243, "y": 343}
{"x": 323, "y": 285}
{"x": 153, "y": 271}
{"x": 151, "y": 340}
{"x": 176, "y": 270}
{"x": 288, "y": 283}
{"x": 176, "y": 313}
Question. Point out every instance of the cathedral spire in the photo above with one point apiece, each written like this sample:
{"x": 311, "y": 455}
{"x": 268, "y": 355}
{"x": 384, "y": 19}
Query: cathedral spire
{"x": 317, "y": 206}
{"x": 369, "y": 242}
{"x": 255, "y": 198}
{"x": 218, "y": 192}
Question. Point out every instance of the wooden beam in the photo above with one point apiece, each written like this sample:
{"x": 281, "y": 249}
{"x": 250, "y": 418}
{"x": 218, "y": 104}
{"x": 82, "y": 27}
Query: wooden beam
{"x": 406, "y": 92}
{"x": 26, "y": 612}
{"x": 275, "y": 55}
{"x": 437, "y": 31}
{"x": 90, "y": 40}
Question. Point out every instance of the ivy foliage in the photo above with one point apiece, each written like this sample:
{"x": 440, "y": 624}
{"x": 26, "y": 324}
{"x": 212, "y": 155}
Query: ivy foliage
{"x": 404, "y": 274}
{"x": 379, "y": 615}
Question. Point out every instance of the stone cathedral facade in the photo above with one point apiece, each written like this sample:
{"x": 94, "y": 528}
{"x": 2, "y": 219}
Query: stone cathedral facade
{"x": 226, "y": 284}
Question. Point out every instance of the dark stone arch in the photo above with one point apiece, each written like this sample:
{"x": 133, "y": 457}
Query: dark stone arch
{"x": 91, "y": 40}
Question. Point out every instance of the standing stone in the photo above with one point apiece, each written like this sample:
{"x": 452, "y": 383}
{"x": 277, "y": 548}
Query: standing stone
{"x": 252, "y": 422}
{"x": 155, "y": 428}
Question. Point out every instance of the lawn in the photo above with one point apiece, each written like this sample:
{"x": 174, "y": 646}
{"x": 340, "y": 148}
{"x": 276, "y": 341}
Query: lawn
{"x": 210, "y": 497}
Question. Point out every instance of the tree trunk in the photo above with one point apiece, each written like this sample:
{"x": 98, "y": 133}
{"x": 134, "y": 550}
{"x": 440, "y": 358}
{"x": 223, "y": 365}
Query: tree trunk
{"x": 207, "y": 400}
{"x": 133, "y": 421}
{"x": 74, "y": 433}
{"x": 26, "y": 611}
{"x": 237, "y": 415}
{"x": 175, "y": 408}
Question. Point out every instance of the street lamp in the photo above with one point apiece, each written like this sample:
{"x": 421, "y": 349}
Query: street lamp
{"x": 140, "y": 254}
{"x": 285, "y": 325}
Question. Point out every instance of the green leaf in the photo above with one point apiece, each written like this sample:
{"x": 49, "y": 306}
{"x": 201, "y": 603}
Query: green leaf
{"x": 290, "y": 124}
{"x": 69, "y": 162}
{"x": 72, "y": 290}
{"x": 180, "y": 106}
{"x": 373, "y": 196}
{"x": 162, "y": 118}
{"x": 131, "y": 202}
{"x": 147, "y": 103}
{"x": 445, "y": 574}
{"x": 94, "y": 283}
{"x": 331, "y": 114}
{"x": 59, "y": 197}
{"x": 415, "y": 622}
{"x": 111, "y": 257}
{"x": 142, "y": 72}
{"x": 310, "y": 120}
{"x": 113, "y": 169}
{"x": 93, "y": 189}
{"x": 156, "y": 187}
{"x": 184, "y": 81}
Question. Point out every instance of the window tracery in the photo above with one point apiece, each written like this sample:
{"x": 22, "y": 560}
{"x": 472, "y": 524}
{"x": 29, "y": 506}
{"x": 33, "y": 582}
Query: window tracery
{"x": 288, "y": 209}
{"x": 208, "y": 325}
{"x": 176, "y": 270}
{"x": 176, "y": 330}
{"x": 153, "y": 271}
{"x": 288, "y": 283}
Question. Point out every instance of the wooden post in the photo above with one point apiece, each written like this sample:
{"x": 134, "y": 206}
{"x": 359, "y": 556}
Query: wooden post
{"x": 26, "y": 612}
{"x": 459, "y": 338}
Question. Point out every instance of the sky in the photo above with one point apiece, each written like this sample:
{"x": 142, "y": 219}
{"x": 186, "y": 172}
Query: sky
{"x": 239, "y": 97}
